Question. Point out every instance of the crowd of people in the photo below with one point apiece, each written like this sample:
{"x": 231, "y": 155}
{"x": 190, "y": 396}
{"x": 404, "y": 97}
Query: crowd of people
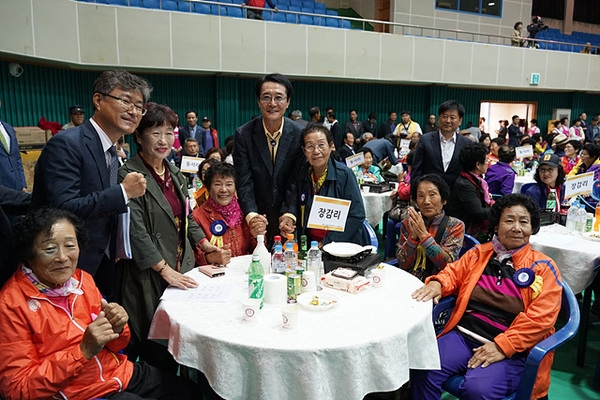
{"x": 95, "y": 310}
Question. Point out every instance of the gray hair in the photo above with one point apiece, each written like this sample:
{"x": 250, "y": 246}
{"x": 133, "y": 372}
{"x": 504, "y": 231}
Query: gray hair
{"x": 297, "y": 113}
{"x": 109, "y": 80}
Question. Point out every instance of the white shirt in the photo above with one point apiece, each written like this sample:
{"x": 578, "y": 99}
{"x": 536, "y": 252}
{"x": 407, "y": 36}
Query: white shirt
{"x": 5, "y": 134}
{"x": 107, "y": 144}
{"x": 447, "y": 147}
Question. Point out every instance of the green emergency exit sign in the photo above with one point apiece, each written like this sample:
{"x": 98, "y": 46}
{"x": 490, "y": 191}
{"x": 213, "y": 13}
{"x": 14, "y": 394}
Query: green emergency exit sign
{"x": 535, "y": 79}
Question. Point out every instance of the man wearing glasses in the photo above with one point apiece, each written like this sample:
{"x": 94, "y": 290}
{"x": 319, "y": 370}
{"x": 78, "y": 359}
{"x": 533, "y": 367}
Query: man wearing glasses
{"x": 77, "y": 170}
{"x": 266, "y": 155}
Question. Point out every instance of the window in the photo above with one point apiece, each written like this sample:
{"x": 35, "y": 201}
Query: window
{"x": 483, "y": 7}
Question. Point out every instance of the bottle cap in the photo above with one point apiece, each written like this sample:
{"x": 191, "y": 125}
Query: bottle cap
{"x": 277, "y": 238}
{"x": 290, "y": 236}
{"x": 255, "y": 257}
{"x": 289, "y": 246}
{"x": 314, "y": 243}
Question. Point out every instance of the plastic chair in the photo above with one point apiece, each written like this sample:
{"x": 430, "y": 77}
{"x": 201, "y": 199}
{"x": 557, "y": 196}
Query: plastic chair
{"x": 169, "y": 5}
{"x": 306, "y": 20}
{"x": 526, "y": 187}
{"x": 151, "y": 4}
{"x": 117, "y": 2}
{"x": 290, "y": 18}
{"x": 278, "y": 17}
{"x": 570, "y": 308}
{"x": 596, "y": 190}
{"x": 235, "y": 12}
{"x": 332, "y": 12}
{"x": 184, "y": 6}
{"x": 468, "y": 242}
{"x": 320, "y": 8}
{"x": 332, "y": 22}
{"x": 345, "y": 24}
{"x": 135, "y": 3}
{"x": 371, "y": 234}
{"x": 202, "y": 8}
{"x": 307, "y": 10}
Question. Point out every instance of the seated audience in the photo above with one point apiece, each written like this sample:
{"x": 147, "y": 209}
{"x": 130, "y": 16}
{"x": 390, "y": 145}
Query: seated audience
{"x": 571, "y": 157}
{"x": 215, "y": 153}
{"x": 369, "y": 171}
{"x": 549, "y": 177}
{"x": 429, "y": 239}
{"x": 486, "y": 139}
{"x": 201, "y": 195}
{"x": 494, "y": 146}
{"x": 222, "y": 205}
{"x": 400, "y": 203}
{"x": 500, "y": 177}
{"x": 58, "y": 337}
{"x": 540, "y": 144}
{"x": 588, "y": 161}
{"x": 557, "y": 144}
{"x": 576, "y": 131}
{"x": 320, "y": 175}
{"x": 470, "y": 200}
{"x": 499, "y": 315}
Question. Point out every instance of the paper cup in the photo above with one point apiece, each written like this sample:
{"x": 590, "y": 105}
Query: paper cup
{"x": 250, "y": 307}
{"x": 309, "y": 284}
{"x": 366, "y": 189}
{"x": 290, "y": 315}
{"x": 378, "y": 277}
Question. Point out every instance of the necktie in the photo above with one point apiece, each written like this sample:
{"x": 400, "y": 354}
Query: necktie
{"x": 4, "y": 142}
{"x": 113, "y": 168}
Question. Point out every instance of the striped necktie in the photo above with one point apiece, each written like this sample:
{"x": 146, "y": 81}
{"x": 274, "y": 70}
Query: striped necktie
{"x": 113, "y": 168}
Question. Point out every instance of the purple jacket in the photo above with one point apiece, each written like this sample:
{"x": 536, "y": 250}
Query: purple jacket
{"x": 500, "y": 178}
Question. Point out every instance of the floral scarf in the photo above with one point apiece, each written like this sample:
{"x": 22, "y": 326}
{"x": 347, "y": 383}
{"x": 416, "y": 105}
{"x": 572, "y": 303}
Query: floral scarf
{"x": 232, "y": 213}
{"x": 70, "y": 286}
{"x": 501, "y": 252}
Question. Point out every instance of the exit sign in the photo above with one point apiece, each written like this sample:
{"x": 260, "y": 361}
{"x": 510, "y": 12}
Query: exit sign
{"x": 535, "y": 79}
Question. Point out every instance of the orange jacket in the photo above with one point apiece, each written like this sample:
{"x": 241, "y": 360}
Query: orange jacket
{"x": 532, "y": 325}
{"x": 39, "y": 344}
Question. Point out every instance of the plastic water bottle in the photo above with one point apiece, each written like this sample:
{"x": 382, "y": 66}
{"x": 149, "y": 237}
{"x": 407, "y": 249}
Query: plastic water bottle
{"x": 278, "y": 260}
{"x": 313, "y": 261}
{"x": 291, "y": 258}
{"x": 276, "y": 241}
{"x": 263, "y": 253}
{"x": 359, "y": 176}
{"x": 572, "y": 216}
{"x": 290, "y": 239}
{"x": 580, "y": 219}
{"x": 256, "y": 280}
{"x": 302, "y": 252}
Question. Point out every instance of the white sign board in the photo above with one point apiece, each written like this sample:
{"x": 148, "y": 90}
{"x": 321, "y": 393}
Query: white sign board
{"x": 354, "y": 160}
{"x": 404, "y": 143}
{"x": 328, "y": 213}
{"x": 579, "y": 185}
{"x": 190, "y": 164}
{"x": 524, "y": 152}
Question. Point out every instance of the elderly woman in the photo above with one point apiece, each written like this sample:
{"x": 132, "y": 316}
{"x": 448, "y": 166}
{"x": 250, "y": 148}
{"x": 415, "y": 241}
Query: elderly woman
{"x": 508, "y": 299}
{"x": 500, "y": 177}
{"x": 588, "y": 161}
{"x": 571, "y": 157}
{"x": 58, "y": 337}
{"x": 368, "y": 170}
{"x": 201, "y": 195}
{"x": 222, "y": 208}
{"x": 429, "y": 239}
{"x": 163, "y": 233}
{"x": 215, "y": 153}
{"x": 323, "y": 176}
{"x": 549, "y": 177}
{"x": 470, "y": 200}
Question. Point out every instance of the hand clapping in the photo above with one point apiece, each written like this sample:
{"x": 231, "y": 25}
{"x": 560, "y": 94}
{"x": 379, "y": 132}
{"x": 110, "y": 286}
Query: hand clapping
{"x": 105, "y": 328}
{"x": 416, "y": 225}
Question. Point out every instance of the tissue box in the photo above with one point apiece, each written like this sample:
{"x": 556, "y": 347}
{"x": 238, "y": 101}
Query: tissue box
{"x": 351, "y": 285}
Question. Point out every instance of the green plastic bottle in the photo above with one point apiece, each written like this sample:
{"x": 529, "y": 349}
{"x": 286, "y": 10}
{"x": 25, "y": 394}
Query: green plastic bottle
{"x": 256, "y": 279}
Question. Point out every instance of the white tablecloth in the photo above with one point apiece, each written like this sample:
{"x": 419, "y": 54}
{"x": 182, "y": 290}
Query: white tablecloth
{"x": 366, "y": 343}
{"x": 375, "y": 205}
{"x": 575, "y": 256}
{"x": 522, "y": 180}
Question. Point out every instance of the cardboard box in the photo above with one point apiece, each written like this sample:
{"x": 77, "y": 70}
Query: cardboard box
{"x": 29, "y": 158}
{"x": 32, "y": 137}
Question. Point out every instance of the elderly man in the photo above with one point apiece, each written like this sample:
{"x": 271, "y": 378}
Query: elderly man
{"x": 194, "y": 131}
{"x": 297, "y": 118}
{"x": 407, "y": 128}
{"x": 77, "y": 115}
{"x": 77, "y": 170}
{"x": 266, "y": 155}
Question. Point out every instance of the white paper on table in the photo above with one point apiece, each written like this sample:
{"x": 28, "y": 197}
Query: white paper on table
{"x": 123, "y": 243}
{"x": 212, "y": 293}
{"x": 328, "y": 213}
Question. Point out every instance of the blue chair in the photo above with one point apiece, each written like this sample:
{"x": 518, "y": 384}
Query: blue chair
{"x": 305, "y": 20}
{"x": 307, "y": 10}
{"x": 345, "y": 24}
{"x": 321, "y": 8}
{"x": 570, "y": 309}
{"x": 283, "y": 6}
{"x": 526, "y": 187}
{"x": 235, "y": 12}
{"x": 290, "y": 18}
{"x": 202, "y": 8}
{"x": 117, "y": 2}
{"x": 169, "y": 5}
{"x": 184, "y": 6}
{"x": 332, "y": 12}
{"x": 371, "y": 234}
{"x": 332, "y": 22}
{"x": 135, "y": 3}
{"x": 151, "y": 4}
{"x": 295, "y": 8}
{"x": 278, "y": 17}
{"x": 468, "y": 242}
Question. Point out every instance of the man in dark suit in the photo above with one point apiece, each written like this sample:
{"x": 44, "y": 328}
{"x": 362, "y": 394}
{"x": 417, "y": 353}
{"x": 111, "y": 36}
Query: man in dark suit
{"x": 12, "y": 204}
{"x": 437, "y": 152}
{"x": 356, "y": 127}
{"x": 347, "y": 148}
{"x": 266, "y": 155}
{"x": 11, "y": 167}
{"x": 192, "y": 130}
{"x": 77, "y": 170}
{"x": 388, "y": 127}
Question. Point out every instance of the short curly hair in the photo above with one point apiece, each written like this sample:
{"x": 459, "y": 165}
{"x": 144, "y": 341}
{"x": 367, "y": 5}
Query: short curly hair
{"x": 39, "y": 221}
{"x": 511, "y": 200}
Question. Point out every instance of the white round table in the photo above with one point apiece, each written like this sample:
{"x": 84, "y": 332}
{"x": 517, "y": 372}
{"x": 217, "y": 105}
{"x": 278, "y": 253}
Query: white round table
{"x": 366, "y": 343}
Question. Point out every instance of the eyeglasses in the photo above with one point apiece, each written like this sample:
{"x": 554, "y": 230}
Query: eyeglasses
{"x": 126, "y": 104}
{"x": 546, "y": 170}
{"x": 311, "y": 147}
{"x": 268, "y": 99}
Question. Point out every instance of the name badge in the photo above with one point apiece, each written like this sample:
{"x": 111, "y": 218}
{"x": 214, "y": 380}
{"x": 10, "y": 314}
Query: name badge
{"x": 190, "y": 164}
{"x": 354, "y": 160}
{"x": 579, "y": 185}
{"x": 329, "y": 214}
{"x": 524, "y": 151}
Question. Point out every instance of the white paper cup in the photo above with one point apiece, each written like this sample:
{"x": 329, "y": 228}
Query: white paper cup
{"x": 290, "y": 314}
{"x": 378, "y": 277}
{"x": 309, "y": 284}
{"x": 250, "y": 307}
{"x": 366, "y": 189}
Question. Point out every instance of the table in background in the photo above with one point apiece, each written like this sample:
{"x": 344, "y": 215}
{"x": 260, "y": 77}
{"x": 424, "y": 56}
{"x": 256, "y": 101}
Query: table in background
{"x": 522, "y": 180}
{"x": 366, "y": 343}
{"x": 375, "y": 205}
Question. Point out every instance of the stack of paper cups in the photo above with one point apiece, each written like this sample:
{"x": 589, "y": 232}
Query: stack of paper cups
{"x": 275, "y": 289}
{"x": 309, "y": 283}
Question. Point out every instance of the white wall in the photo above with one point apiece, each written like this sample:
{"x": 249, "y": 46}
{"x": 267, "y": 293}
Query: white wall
{"x": 99, "y": 36}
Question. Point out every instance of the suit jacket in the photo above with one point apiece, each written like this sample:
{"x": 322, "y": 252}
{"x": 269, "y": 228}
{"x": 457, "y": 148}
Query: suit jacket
{"x": 72, "y": 174}
{"x": 154, "y": 236}
{"x": 262, "y": 186}
{"x": 356, "y": 132}
{"x": 11, "y": 166}
{"x": 336, "y": 132}
{"x": 12, "y": 204}
{"x": 184, "y": 133}
{"x": 428, "y": 158}
{"x": 344, "y": 152}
